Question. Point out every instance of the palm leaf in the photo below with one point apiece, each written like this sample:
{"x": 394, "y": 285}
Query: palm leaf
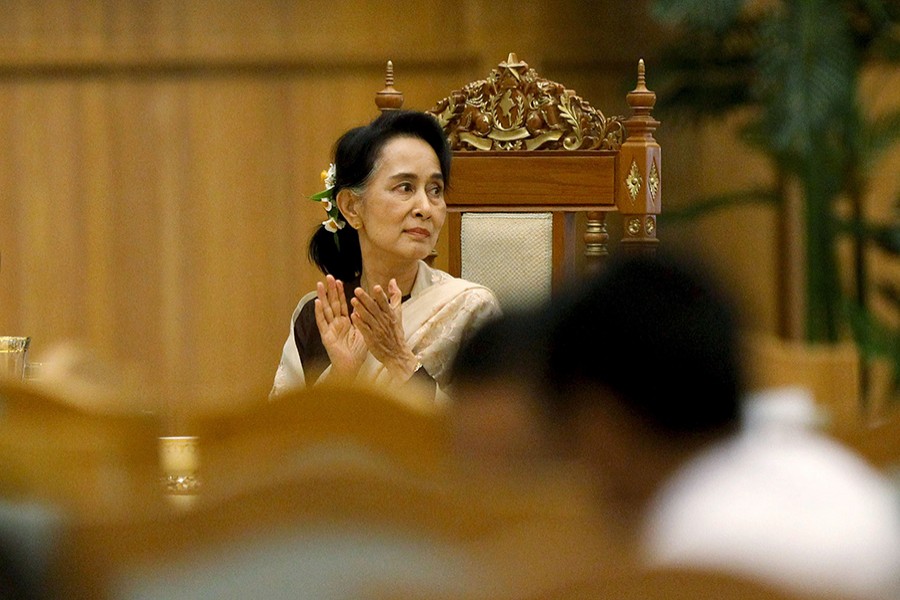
{"x": 709, "y": 76}
{"x": 876, "y": 340}
{"x": 807, "y": 74}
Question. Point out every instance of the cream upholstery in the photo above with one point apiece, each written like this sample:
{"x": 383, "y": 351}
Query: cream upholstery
{"x": 491, "y": 242}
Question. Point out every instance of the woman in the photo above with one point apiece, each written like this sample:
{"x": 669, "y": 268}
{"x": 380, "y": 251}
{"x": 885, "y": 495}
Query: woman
{"x": 381, "y": 314}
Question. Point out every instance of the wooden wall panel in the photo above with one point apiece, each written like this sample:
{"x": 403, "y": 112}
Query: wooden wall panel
{"x": 134, "y": 35}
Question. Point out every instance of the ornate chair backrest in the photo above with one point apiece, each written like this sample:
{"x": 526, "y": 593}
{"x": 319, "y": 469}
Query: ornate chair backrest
{"x": 529, "y": 156}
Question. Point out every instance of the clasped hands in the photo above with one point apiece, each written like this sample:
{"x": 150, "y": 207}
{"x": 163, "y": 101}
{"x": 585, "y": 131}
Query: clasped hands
{"x": 374, "y": 325}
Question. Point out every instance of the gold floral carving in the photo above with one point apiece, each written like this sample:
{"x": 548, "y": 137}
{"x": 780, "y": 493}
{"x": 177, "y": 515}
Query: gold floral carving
{"x": 650, "y": 225}
{"x": 653, "y": 181}
{"x": 634, "y": 226}
{"x": 516, "y": 109}
{"x": 633, "y": 181}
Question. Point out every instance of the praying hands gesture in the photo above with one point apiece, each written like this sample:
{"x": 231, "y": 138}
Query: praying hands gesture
{"x": 378, "y": 318}
{"x": 345, "y": 345}
{"x": 375, "y": 326}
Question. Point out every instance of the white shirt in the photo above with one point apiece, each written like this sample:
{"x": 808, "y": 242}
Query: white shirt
{"x": 784, "y": 504}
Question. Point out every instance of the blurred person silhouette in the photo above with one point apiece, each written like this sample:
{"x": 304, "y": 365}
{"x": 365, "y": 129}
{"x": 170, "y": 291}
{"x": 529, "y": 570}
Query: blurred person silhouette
{"x": 644, "y": 377}
{"x": 495, "y": 415}
{"x": 381, "y": 314}
{"x": 506, "y": 455}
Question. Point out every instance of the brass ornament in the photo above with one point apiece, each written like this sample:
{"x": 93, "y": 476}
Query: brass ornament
{"x": 516, "y": 109}
{"x": 634, "y": 226}
{"x": 653, "y": 181}
{"x": 633, "y": 181}
{"x": 596, "y": 236}
{"x": 650, "y": 225}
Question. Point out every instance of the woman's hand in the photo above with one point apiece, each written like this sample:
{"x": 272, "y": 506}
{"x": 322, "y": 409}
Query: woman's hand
{"x": 378, "y": 318}
{"x": 345, "y": 345}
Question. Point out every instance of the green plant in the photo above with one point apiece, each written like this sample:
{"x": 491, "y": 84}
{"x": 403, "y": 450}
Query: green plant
{"x": 797, "y": 66}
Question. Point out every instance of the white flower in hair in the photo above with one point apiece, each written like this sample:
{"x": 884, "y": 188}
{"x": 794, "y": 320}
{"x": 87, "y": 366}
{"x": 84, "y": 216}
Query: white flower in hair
{"x": 333, "y": 225}
{"x": 334, "y": 221}
{"x": 329, "y": 176}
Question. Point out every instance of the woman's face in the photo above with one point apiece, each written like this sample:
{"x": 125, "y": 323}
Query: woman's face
{"x": 402, "y": 208}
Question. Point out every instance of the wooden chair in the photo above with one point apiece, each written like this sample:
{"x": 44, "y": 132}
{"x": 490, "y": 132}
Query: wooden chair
{"x": 877, "y": 441}
{"x": 529, "y": 157}
{"x": 344, "y": 426}
{"x": 829, "y": 372}
{"x": 89, "y": 465}
{"x": 336, "y": 492}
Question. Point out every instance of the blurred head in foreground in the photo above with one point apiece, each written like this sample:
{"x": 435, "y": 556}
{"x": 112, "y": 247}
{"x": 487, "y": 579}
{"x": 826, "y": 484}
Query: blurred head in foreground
{"x": 497, "y": 375}
{"x": 643, "y": 363}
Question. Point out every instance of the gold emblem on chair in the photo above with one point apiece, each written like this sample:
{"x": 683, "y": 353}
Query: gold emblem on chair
{"x": 653, "y": 181}
{"x": 633, "y": 181}
{"x": 634, "y": 226}
{"x": 516, "y": 109}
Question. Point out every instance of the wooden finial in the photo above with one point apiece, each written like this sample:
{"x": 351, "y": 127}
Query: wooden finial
{"x": 389, "y": 98}
{"x": 389, "y": 74}
{"x": 640, "y": 99}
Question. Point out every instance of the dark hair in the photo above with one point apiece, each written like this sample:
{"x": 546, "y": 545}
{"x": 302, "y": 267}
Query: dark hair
{"x": 355, "y": 155}
{"x": 657, "y": 333}
{"x": 511, "y": 345}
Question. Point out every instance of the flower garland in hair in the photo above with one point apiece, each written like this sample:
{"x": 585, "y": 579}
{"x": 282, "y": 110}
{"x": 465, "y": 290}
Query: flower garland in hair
{"x": 334, "y": 221}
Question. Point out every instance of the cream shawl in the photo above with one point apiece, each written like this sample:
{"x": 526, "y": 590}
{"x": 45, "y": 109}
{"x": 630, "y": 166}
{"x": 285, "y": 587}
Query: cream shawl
{"x": 440, "y": 313}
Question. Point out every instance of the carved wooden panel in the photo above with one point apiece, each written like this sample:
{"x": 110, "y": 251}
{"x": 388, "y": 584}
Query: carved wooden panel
{"x": 514, "y": 108}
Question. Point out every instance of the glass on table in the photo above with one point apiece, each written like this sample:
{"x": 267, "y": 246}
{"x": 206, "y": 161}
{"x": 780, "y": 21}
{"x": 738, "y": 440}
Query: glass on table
{"x": 179, "y": 458}
{"x": 13, "y": 356}
{"x": 33, "y": 371}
